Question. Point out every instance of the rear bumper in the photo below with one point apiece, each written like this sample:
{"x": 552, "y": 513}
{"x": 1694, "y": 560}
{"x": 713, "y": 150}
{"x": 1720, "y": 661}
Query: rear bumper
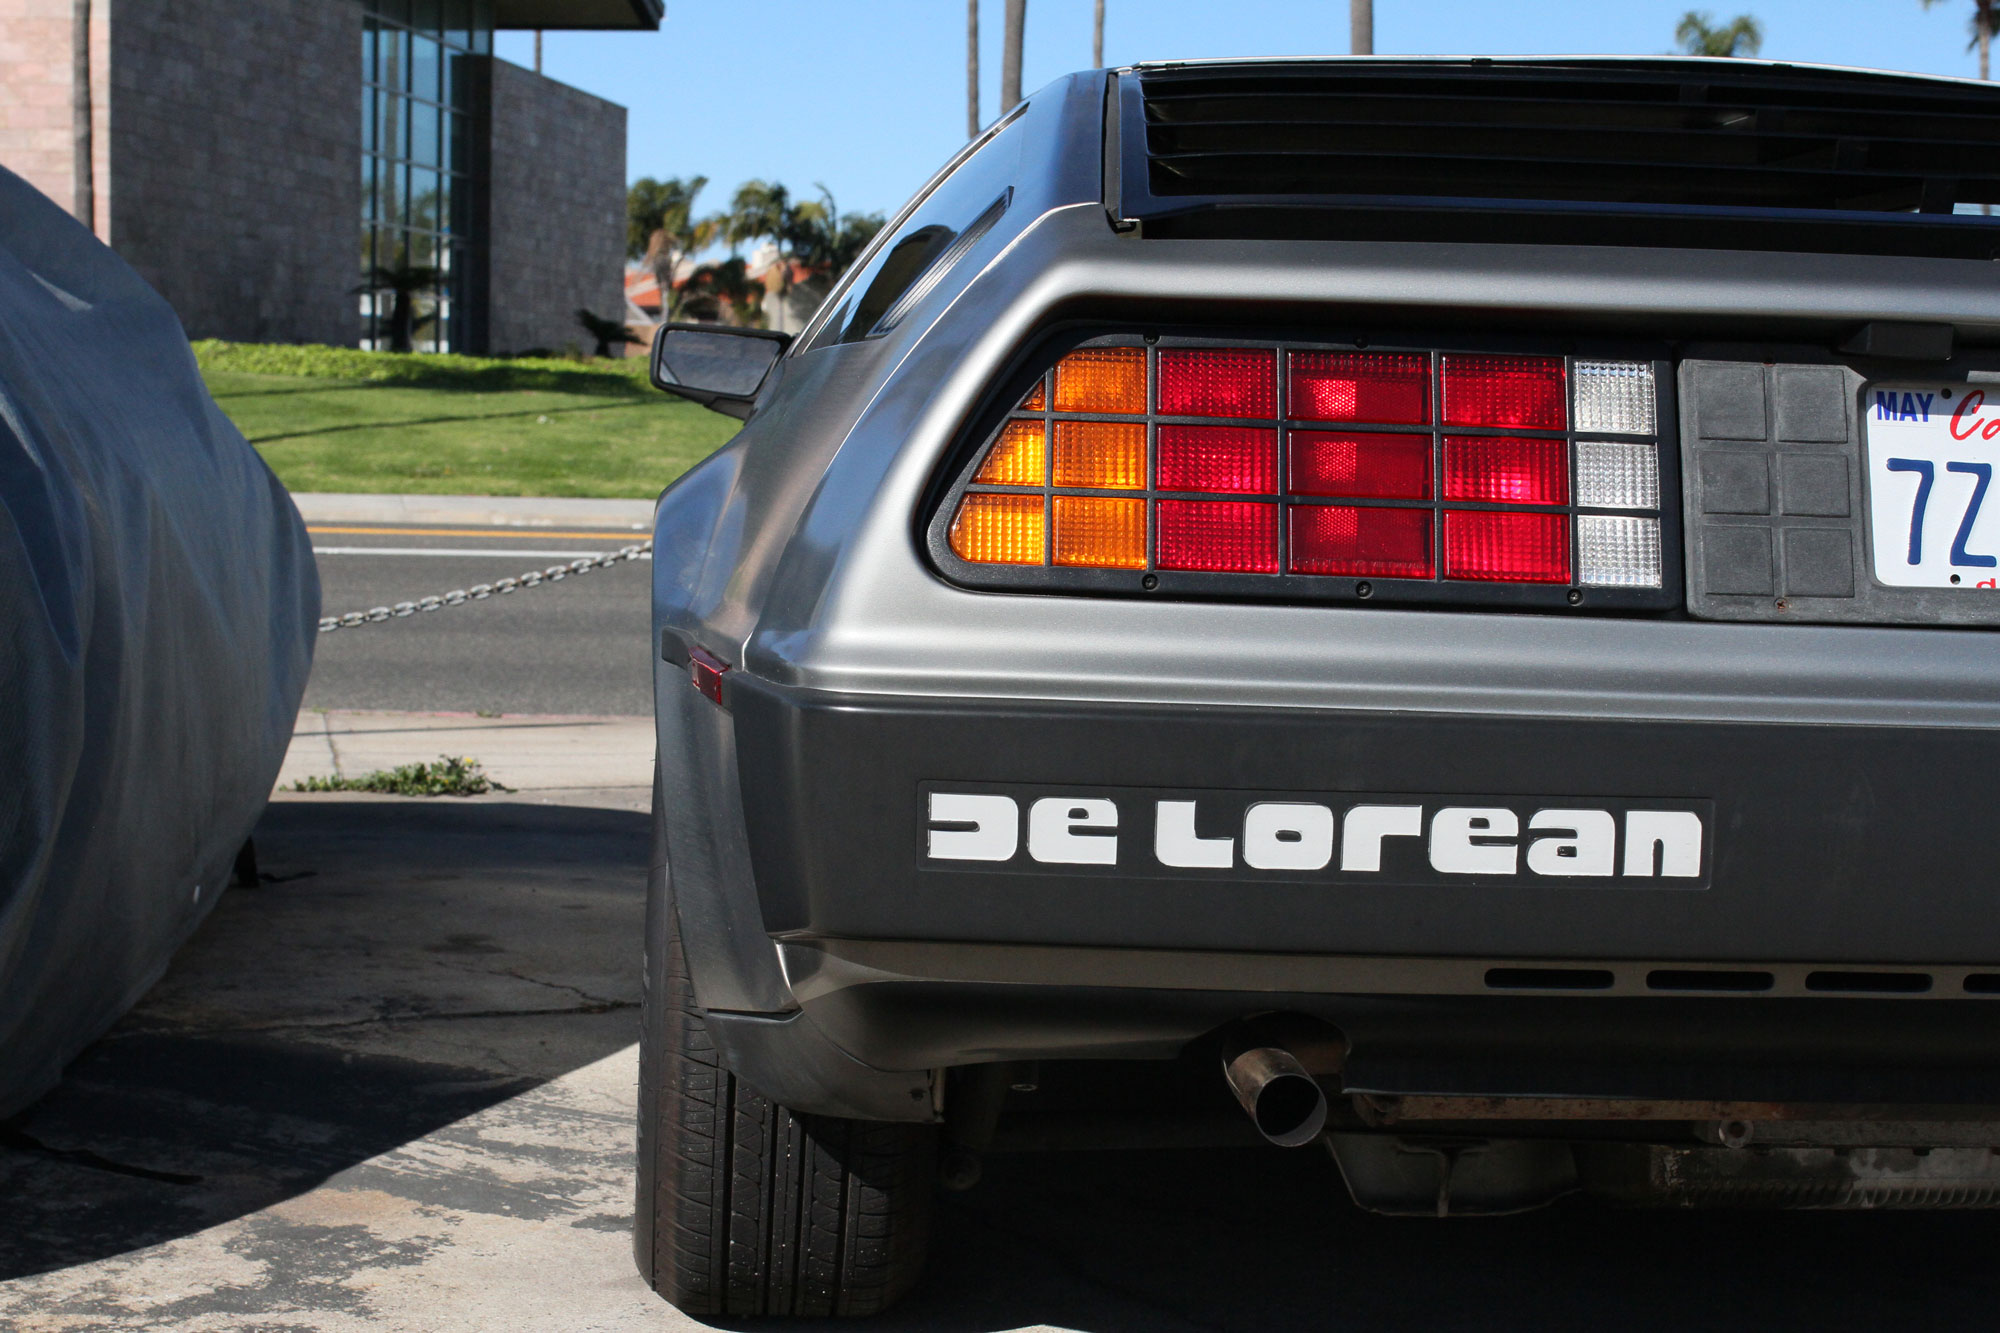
{"x": 1819, "y": 844}
{"x": 910, "y": 1007}
{"x": 1842, "y": 889}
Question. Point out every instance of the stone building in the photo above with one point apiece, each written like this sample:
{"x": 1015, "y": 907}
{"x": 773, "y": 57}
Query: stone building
{"x": 359, "y": 172}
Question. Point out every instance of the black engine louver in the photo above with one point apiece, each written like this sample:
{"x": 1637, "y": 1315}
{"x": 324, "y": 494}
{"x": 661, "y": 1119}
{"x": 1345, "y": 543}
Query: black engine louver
{"x": 1717, "y": 154}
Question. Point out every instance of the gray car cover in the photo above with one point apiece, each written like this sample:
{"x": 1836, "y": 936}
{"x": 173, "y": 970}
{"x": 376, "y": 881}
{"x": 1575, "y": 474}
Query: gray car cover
{"x": 159, "y": 603}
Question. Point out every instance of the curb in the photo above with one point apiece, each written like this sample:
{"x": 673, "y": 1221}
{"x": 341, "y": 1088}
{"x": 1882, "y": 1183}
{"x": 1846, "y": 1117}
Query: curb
{"x": 498, "y": 511}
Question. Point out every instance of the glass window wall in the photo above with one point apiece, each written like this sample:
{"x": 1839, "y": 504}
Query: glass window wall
{"x": 416, "y": 185}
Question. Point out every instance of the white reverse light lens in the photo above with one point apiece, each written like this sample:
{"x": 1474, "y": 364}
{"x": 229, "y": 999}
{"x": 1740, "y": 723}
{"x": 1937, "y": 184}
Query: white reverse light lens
{"x": 1617, "y": 476}
{"x": 1616, "y": 552}
{"x": 1615, "y": 397}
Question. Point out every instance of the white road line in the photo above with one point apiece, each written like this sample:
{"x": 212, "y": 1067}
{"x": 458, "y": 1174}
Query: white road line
{"x": 455, "y": 550}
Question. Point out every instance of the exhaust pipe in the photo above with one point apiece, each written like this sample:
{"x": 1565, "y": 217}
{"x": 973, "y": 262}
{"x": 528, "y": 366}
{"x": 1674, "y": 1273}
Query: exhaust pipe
{"x": 1282, "y": 1099}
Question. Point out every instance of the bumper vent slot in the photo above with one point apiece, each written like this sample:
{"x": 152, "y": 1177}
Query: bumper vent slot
{"x": 1692, "y": 979}
{"x": 1870, "y": 983}
{"x": 1549, "y": 978}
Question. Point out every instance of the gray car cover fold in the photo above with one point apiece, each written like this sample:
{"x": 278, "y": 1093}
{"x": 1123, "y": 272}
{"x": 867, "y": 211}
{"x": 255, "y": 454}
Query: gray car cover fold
{"x": 158, "y": 600}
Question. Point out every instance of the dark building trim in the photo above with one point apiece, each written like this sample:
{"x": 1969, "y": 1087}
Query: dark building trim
{"x": 553, "y": 15}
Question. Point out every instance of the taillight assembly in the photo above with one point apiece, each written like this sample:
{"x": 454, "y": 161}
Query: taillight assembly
{"x": 1289, "y": 470}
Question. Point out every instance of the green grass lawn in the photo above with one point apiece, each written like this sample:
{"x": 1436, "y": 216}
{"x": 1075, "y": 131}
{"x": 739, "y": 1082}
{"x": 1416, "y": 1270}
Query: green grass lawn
{"x": 333, "y": 419}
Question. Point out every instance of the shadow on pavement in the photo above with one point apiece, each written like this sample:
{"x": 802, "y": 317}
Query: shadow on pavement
{"x": 1264, "y": 1239}
{"x": 408, "y": 963}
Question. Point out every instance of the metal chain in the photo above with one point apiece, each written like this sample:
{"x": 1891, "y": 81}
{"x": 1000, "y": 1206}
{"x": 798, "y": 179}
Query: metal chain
{"x": 479, "y": 592}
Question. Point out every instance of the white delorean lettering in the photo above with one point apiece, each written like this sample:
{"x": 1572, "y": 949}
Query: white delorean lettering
{"x": 1303, "y": 835}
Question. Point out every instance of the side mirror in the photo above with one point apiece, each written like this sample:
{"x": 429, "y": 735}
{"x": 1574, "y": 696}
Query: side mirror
{"x": 715, "y": 365}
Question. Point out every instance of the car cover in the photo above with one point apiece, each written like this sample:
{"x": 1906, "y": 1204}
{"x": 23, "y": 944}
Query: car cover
{"x": 159, "y": 603}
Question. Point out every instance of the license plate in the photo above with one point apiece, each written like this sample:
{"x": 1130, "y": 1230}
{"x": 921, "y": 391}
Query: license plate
{"x": 1932, "y": 452}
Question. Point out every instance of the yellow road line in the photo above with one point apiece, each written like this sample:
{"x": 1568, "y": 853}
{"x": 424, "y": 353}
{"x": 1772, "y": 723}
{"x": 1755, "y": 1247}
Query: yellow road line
{"x": 517, "y": 534}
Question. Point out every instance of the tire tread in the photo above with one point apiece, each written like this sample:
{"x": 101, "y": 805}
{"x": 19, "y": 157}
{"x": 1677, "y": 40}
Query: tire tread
{"x": 757, "y": 1210}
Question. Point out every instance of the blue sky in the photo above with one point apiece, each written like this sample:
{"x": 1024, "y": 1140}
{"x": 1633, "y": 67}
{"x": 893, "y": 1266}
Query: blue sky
{"x": 868, "y": 96}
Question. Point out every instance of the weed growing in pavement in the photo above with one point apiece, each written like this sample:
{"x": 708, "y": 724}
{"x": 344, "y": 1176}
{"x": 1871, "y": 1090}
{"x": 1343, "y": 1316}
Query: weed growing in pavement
{"x": 451, "y": 775}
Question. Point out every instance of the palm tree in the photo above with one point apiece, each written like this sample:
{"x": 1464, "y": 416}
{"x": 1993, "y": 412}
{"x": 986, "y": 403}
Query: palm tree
{"x": 661, "y": 230}
{"x": 824, "y": 242}
{"x": 763, "y": 210}
{"x": 1982, "y": 32}
{"x": 810, "y": 238}
{"x": 1010, "y": 54}
{"x": 726, "y": 288}
{"x": 972, "y": 69}
{"x": 407, "y": 281}
{"x": 1699, "y": 36}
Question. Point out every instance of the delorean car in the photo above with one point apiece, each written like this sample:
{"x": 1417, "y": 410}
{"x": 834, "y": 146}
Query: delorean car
{"x": 1438, "y": 610}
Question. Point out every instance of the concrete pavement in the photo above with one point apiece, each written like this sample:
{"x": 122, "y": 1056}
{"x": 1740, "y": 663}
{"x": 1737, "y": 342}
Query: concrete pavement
{"x": 603, "y": 761}
{"x": 389, "y": 1088}
{"x": 500, "y": 511}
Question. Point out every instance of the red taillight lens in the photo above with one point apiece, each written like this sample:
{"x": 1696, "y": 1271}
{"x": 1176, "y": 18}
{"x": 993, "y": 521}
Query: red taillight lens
{"x": 1219, "y": 382}
{"x": 1506, "y": 470}
{"x": 1488, "y": 547}
{"x": 1371, "y": 543}
{"x": 1387, "y": 388}
{"x": 1524, "y": 392}
{"x": 1231, "y": 536}
{"x": 1218, "y": 458}
{"x": 1363, "y": 466}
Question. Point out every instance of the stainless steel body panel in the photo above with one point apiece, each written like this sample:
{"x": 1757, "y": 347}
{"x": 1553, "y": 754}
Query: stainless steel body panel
{"x": 795, "y": 554}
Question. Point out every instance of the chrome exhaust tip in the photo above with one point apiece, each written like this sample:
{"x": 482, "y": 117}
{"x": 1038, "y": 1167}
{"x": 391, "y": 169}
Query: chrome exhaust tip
{"x": 1281, "y": 1098}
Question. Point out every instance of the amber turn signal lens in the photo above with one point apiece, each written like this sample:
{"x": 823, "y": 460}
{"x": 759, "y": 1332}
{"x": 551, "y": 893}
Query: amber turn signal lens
{"x": 1102, "y": 379}
{"x": 1100, "y": 533}
{"x": 1016, "y": 457}
{"x": 998, "y": 530}
{"x": 1036, "y": 399}
{"x": 1101, "y": 455}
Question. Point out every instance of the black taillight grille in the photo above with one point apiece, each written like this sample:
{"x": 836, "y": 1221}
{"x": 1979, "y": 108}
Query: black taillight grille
{"x": 1287, "y": 469}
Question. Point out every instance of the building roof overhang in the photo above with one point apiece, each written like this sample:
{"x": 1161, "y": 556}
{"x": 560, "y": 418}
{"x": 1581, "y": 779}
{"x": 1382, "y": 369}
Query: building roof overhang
{"x": 551, "y": 15}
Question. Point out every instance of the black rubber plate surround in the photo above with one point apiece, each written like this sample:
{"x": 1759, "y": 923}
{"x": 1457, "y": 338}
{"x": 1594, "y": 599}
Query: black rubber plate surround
{"x": 1775, "y": 482}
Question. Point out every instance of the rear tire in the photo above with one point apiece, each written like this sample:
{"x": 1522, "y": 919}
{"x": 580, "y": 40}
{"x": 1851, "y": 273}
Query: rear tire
{"x": 747, "y": 1208}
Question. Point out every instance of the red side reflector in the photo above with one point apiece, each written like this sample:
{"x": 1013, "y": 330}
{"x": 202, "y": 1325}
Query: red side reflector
{"x": 1365, "y": 466}
{"x": 1231, "y": 536}
{"x": 705, "y": 670}
{"x": 1491, "y": 547}
{"x": 1506, "y": 470}
{"x": 1373, "y": 543}
{"x": 1388, "y": 388}
{"x": 1520, "y": 391}
{"x": 1219, "y": 382}
{"x": 1218, "y": 458}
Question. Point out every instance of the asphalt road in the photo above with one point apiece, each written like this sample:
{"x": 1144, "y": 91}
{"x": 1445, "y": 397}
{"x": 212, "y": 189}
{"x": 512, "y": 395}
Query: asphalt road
{"x": 578, "y": 646}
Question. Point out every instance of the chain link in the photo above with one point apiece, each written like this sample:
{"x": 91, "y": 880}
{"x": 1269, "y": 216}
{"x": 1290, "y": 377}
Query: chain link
{"x": 479, "y": 592}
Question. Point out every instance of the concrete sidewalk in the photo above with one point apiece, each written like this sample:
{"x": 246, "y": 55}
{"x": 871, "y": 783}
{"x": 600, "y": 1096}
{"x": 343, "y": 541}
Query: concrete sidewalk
{"x": 600, "y": 761}
{"x": 499, "y": 511}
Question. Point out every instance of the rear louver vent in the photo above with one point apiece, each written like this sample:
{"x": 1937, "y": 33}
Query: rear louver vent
{"x": 1684, "y": 153}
